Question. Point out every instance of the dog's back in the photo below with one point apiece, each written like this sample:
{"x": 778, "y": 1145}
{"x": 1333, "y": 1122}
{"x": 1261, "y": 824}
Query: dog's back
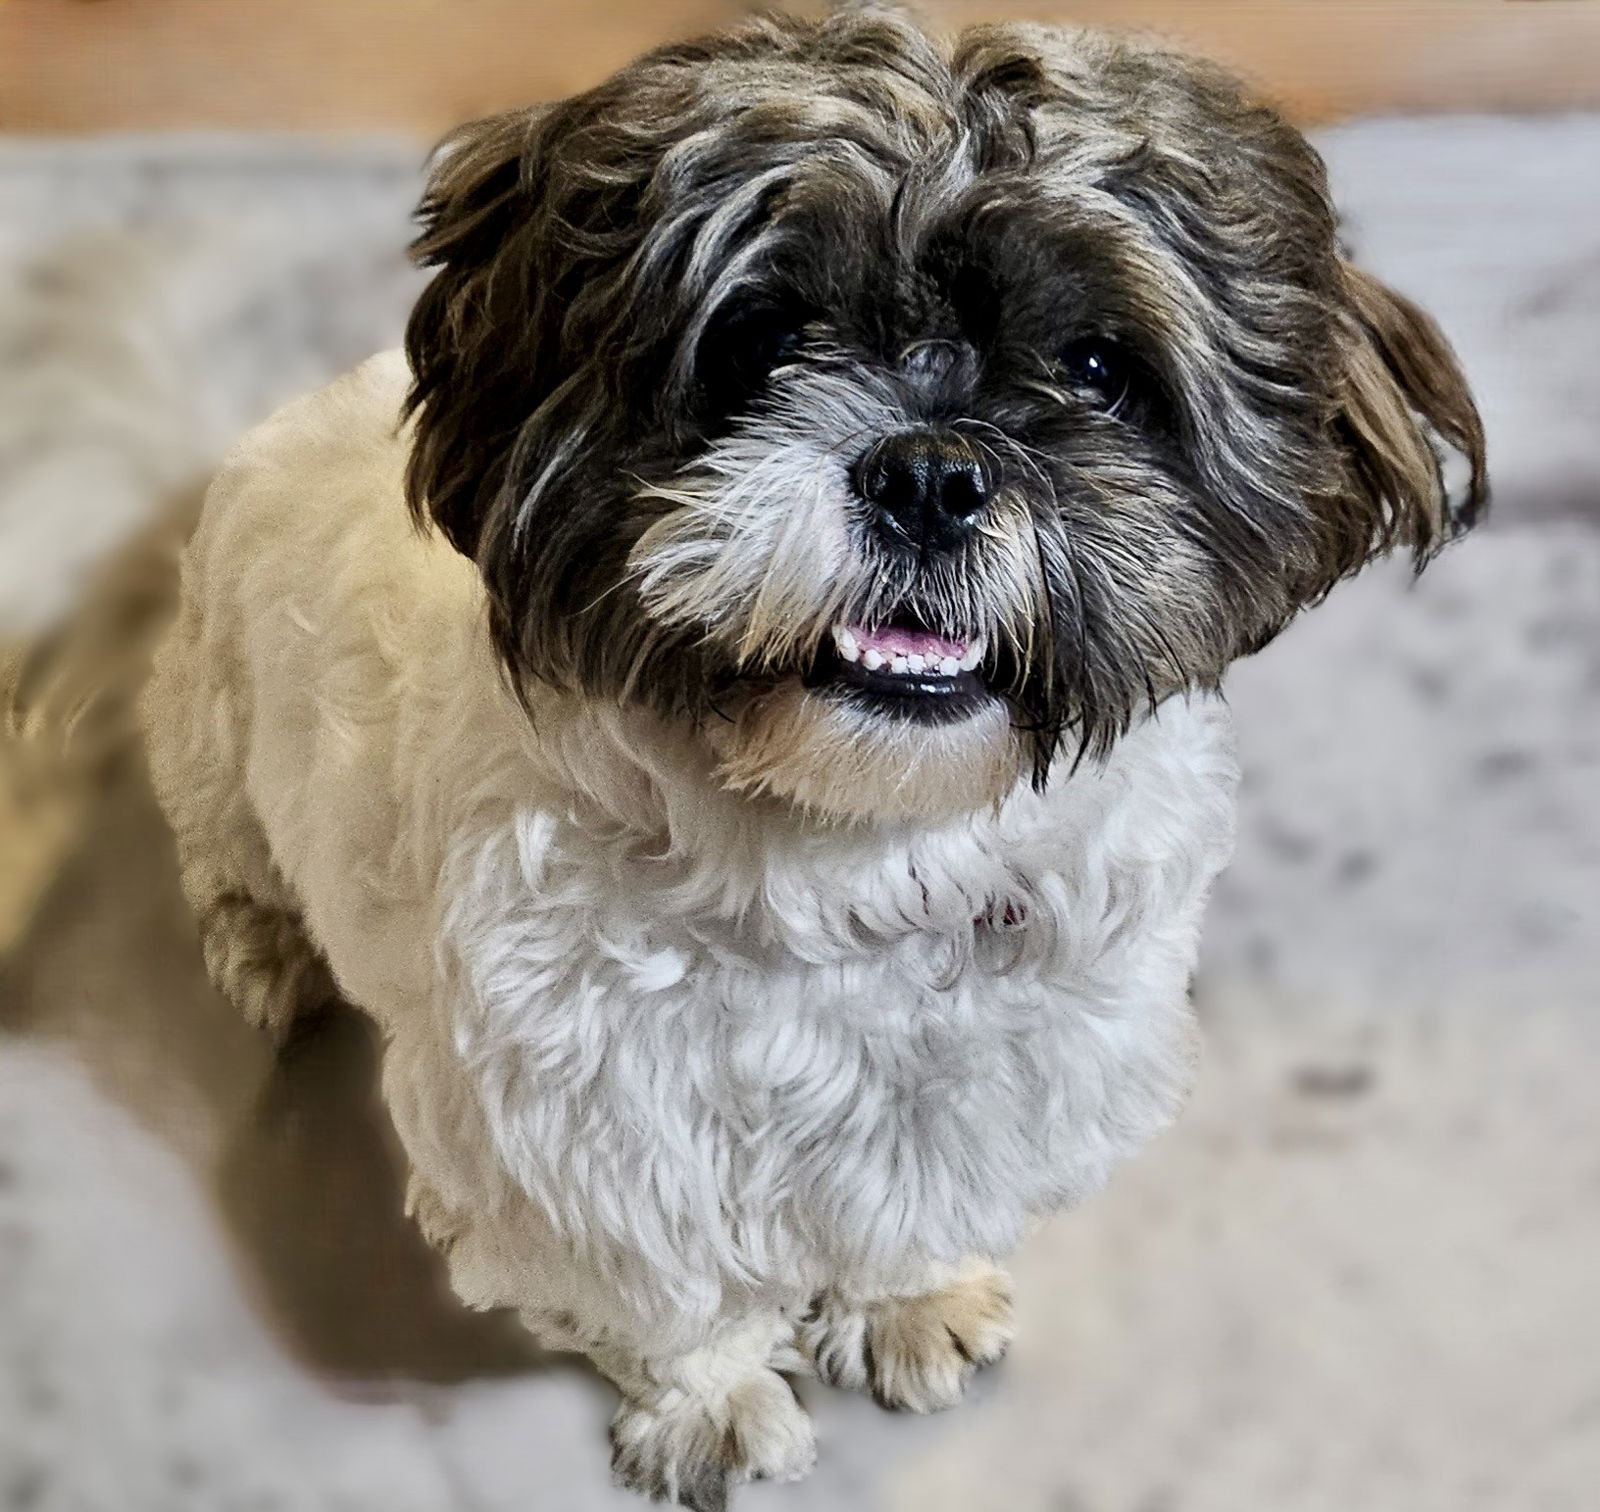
{"x": 307, "y": 602}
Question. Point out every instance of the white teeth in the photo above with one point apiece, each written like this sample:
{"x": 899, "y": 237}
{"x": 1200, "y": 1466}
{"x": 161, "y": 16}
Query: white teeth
{"x": 913, "y": 664}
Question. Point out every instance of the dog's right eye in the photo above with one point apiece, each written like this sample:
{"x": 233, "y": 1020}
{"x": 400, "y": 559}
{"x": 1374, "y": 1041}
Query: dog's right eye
{"x": 1099, "y": 371}
{"x": 742, "y": 348}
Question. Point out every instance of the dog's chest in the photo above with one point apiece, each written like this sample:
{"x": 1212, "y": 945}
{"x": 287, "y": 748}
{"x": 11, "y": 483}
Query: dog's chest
{"x": 838, "y": 1088}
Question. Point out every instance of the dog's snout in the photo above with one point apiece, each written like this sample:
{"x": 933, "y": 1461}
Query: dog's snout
{"x": 926, "y": 489}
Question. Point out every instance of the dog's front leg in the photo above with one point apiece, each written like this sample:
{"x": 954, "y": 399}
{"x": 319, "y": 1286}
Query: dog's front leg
{"x": 703, "y": 1404}
{"x": 703, "y": 1407}
{"x": 691, "y": 1425}
{"x": 914, "y": 1351}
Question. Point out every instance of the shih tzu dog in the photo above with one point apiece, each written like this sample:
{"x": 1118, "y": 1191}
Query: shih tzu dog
{"x": 735, "y": 700}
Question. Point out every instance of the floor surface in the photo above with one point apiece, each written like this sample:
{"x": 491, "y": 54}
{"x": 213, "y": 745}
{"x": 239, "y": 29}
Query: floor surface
{"x": 1359, "y": 1272}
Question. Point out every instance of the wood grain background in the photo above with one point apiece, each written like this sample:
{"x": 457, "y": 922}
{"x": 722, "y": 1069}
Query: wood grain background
{"x": 337, "y": 66}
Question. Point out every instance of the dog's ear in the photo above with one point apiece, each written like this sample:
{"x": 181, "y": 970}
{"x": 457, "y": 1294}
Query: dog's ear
{"x": 1403, "y": 408}
{"x": 483, "y": 339}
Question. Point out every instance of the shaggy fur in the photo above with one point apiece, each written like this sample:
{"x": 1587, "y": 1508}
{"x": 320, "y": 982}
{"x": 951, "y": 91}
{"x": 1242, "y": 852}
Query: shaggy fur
{"x": 745, "y": 1000}
{"x": 616, "y": 273}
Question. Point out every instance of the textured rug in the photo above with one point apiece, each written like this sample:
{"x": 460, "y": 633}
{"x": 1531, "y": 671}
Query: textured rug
{"x": 1358, "y": 1274}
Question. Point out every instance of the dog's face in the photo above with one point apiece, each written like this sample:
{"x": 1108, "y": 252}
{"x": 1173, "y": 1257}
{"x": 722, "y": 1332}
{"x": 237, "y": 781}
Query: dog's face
{"x": 898, "y": 419}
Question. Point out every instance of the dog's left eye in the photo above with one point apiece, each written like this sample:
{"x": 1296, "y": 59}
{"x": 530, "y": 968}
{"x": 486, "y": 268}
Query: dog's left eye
{"x": 740, "y": 351}
{"x": 1099, "y": 370}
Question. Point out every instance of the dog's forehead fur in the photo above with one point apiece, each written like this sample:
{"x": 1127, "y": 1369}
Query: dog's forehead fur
{"x": 1038, "y": 152}
{"x": 843, "y": 158}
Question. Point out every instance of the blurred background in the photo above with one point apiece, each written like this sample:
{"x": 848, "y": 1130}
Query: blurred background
{"x": 1359, "y": 1274}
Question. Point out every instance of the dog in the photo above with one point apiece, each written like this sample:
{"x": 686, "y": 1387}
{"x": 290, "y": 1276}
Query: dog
{"x": 737, "y": 699}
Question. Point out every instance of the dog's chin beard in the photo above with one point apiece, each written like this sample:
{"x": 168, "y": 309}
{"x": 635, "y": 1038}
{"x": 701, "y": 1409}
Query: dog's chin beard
{"x": 887, "y": 724}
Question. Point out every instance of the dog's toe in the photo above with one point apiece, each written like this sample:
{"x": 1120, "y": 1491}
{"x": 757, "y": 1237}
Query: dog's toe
{"x": 916, "y": 1353}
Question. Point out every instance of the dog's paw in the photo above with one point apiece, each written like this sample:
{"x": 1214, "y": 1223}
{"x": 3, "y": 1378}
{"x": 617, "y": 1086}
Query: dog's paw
{"x": 918, "y": 1353}
{"x": 690, "y": 1448}
{"x": 263, "y": 962}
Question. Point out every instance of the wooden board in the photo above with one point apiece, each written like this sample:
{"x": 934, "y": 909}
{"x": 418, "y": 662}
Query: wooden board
{"x": 420, "y": 65}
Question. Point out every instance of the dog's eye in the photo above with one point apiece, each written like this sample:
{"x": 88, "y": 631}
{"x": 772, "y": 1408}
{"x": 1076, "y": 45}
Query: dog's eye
{"x": 766, "y": 344}
{"x": 1100, "y": 371}
{"x": 742, "y": 348}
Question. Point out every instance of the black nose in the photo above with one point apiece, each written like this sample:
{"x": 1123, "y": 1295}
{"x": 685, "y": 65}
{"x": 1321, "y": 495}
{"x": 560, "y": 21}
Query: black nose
{"x": 926, "y": 489}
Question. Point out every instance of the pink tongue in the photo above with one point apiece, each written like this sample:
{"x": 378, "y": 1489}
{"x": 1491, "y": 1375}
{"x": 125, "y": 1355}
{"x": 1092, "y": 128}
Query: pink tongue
{"x": 891, "y": 641}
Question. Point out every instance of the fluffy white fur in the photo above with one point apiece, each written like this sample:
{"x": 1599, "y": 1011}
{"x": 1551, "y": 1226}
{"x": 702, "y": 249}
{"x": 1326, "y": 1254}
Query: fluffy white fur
{"x": 699, "y": 1085}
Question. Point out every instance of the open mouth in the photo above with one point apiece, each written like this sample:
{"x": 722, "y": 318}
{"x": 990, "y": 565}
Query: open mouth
{"x": 905, "y": 669}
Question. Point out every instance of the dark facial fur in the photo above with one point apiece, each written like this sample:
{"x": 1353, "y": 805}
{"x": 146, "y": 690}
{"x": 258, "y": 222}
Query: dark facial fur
{"x": 692, "y": 301}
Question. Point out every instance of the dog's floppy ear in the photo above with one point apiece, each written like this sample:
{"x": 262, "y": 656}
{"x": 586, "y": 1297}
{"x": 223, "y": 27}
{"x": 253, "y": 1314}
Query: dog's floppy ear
{"x": 1404, "y": 406}
{"x": 482, "y": 338}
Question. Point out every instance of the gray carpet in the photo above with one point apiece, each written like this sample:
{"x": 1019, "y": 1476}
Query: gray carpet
{"x": 1358, "y": 1275}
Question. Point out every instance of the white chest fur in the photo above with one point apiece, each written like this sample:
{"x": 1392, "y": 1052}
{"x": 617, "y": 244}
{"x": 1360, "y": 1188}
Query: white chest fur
{"x": 728, "y": 1050}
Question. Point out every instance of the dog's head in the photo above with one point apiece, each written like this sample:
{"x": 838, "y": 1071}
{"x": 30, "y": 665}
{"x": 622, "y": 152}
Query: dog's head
{"x": 899, "y": 418}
